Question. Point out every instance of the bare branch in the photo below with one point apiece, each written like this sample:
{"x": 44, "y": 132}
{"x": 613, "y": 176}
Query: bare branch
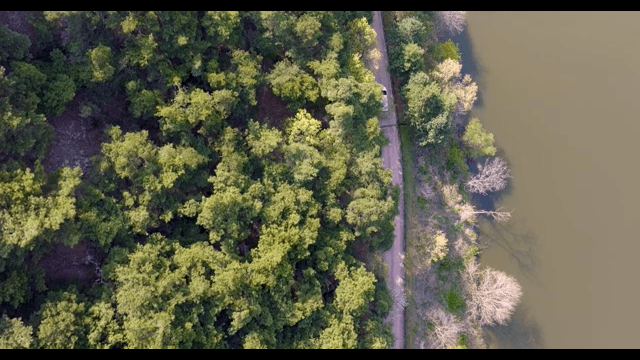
{"x": 466, "y": 91}
{"x": 498, "y": 215}
{"x": 445, "y": 328}
{"x": 447, "y": 72}
{"x": 494, "y": 295}
{"x": 451, "y": 23}
{"x": 492, "y": 176}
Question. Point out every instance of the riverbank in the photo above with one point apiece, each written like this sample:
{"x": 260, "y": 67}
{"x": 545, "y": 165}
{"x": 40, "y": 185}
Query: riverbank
{"x": 441, "y": 268}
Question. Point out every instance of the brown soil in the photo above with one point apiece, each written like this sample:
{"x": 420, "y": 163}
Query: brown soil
{"x": 64, "y": 263}
{"x": 75, "y": 140}
{"x": 271, "y": 109}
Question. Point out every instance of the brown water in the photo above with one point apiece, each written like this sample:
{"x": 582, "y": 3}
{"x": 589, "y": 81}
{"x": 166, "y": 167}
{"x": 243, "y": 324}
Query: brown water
{"x": 561, "y": 93}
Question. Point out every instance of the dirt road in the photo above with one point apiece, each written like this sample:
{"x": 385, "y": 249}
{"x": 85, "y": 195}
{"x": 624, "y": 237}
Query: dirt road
{"x": 391, "y": 159}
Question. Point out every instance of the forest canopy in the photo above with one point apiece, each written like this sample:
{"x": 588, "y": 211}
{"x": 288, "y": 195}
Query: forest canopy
{"x": 192, "y": 180}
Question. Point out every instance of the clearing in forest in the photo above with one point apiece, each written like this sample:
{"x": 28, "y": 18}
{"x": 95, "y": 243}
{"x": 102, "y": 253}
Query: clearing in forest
{"x": 75, "y": 139}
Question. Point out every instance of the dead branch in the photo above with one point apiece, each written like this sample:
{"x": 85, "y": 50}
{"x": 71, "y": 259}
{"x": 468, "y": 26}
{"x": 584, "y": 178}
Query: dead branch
{"x": 451, "y": 23}
{"x": 494, "y": 295}
{"x": 492, "y": 176}
{"x": 445, "y": 328}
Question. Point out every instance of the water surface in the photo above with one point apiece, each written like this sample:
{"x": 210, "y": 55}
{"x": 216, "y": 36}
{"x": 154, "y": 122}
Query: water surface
{"x": 561, "y": 93}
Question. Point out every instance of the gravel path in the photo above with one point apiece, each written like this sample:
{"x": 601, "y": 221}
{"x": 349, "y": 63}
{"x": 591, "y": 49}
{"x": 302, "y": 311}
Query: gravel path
{"x": 391, "y": 159}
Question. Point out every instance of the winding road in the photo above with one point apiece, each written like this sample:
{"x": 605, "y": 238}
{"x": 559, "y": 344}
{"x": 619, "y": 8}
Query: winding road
{"x": 391, "y": 159}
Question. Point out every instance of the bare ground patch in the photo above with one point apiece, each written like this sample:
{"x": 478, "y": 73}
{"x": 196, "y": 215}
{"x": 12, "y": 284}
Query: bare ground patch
{"x": 81, "y": 262}
{"x": 75, "y": 139}
{"x": 271, "y": 109}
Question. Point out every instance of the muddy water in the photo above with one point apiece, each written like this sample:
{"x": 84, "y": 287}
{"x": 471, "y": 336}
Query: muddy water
{"x": 561, "y": 93}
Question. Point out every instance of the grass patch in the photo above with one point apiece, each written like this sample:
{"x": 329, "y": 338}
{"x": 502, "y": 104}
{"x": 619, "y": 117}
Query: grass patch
{"x": 458, "y": 226}
{"x": 455, "y": 302}
{"x": 463, "y": 341}
{"x": 471, "y": 252}
{"x": 411, "y": 218}
{"x": 422, "y": 202}
{"x": 447, "y": 263}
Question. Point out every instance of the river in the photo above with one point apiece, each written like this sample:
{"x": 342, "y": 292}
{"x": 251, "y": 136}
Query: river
{"x": 560, "y": 92}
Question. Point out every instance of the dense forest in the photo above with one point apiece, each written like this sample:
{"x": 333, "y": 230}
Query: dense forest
{"x": 192, "y": 180}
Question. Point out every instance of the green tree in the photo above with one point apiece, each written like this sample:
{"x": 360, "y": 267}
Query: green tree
{"x": 26, "y": 212}
{"x": 479, "y": 140}
{"x": 308, "y": 31}
{"x": 261, "y": 139}
{"x": 150, "y": 171}
{"x": 104, "y": 331}
{"x": 223, "y": 27}
{"x": 429, "y": 108}
{"x": 13, "y": 45}
{"x": 100, "y": 217}
{"x": 197, "y": 107}
{"x": 27, "y": 87}
{"x": 245, "y": 78}
{"x": 376, "y": 335}
{"x": 277, "y": 28}
{"x": 292, "y": 83}
{"x": 356, "y": 289}
{"x": 61, "y": 90}
{"x": 14, "y": 334}
{"x": 167, "y": 296}
{"x": 60, "y": 325}
{"x": 340, "y": 334}
{"x": 413, "y": 57}
{"x": 141, "y": 50}
{"x": 100, "y": 58}
{"x": 451, "y": 50}
{"x": 144, "y": 102}
{"x": 21, "y": 129}
{"x": 412, "y": 30}
{"x": 361, "y": 36}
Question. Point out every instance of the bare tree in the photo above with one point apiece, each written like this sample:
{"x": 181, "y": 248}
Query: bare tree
{"x": 448, "y": 74}
{"x": 492, "y": 176}
{"x": 494, "y": 295}
{"x": 445, "y": 328}
{"x": 497, "y": 215}
{"x": 467, "y": 92}
{"x": 451, "y": 23}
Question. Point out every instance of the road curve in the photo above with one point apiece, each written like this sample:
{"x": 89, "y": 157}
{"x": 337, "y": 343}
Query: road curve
{"x": 391, "y": 159}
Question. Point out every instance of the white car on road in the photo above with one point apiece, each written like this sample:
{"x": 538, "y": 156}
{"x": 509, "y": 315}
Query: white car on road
{"x": 385, "y": 101}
